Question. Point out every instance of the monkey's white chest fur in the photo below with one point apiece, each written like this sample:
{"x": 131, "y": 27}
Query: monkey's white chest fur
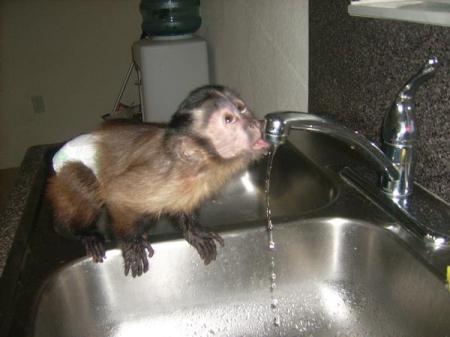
{"x": 82, "y": 148}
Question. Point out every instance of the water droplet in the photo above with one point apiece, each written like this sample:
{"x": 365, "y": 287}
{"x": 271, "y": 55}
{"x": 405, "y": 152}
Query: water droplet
{"x": 272, "y": 245}
{"x": 274, "y": 303}
{"x": 273, "y": 277}
{"x": 277, "y": 321}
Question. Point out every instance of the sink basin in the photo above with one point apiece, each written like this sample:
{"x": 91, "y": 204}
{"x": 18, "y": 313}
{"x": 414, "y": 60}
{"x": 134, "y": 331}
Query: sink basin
{"x": 297, "y": 187}
{"x": 335, "y": 277}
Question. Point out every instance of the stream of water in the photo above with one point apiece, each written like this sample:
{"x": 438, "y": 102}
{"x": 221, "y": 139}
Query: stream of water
{"x": 271, "y": 242}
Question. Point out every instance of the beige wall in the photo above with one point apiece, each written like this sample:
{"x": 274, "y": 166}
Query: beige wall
{"x": 74, "y": 53}
{"x": 260, "y": 48}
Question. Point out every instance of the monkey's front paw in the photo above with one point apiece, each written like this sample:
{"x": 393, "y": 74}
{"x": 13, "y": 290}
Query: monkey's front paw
{"x": 203, "y": 240}
{"x": 94, "y": 246}
{"x": 135, "y": 256}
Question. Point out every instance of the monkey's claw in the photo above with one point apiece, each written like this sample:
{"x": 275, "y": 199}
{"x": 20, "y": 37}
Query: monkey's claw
{"x": 94, "y": 246}
{"x": 203, "y": 240}
{"x": 135, "y": 256}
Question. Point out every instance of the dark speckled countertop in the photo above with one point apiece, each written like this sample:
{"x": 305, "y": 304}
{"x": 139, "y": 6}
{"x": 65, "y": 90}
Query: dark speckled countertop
{"x": 22, "y": 203}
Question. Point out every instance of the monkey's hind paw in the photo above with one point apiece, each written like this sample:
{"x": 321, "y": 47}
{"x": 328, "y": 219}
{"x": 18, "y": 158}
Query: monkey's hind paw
{"x": 94, "y": 246}
{"x": 135, "y": 256}
{"x": 203, "y": 240}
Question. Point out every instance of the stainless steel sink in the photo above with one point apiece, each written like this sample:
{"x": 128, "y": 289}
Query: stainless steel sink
{"x": 335, "y": 277}
{"x": 344, "y": 267}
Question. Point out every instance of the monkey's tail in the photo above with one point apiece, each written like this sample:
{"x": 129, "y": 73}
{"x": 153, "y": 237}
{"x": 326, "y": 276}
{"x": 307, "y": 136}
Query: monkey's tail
{"x": 76, "y": 198}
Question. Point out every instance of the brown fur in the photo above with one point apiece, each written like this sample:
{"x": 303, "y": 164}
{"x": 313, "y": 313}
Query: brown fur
{"x": 135, "y": 183}
{"x": 75, "y": 194}
{"x": 146, "y": 170}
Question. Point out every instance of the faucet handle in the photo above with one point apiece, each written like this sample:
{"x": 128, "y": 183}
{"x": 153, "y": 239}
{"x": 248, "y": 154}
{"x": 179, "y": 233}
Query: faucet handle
{"x": 399, "y": 124}
{"x": 426, "y": 72}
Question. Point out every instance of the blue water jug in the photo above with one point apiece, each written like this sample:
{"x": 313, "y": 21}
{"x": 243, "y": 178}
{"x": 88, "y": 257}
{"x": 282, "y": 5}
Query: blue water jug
{"x": 170, "y": 17}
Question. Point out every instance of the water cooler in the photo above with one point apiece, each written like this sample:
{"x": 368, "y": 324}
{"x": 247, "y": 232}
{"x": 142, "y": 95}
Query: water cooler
{"x": 170, "y": 61}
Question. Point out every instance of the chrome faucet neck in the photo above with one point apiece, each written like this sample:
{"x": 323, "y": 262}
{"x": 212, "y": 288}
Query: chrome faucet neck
{"x": 278, "y": 125}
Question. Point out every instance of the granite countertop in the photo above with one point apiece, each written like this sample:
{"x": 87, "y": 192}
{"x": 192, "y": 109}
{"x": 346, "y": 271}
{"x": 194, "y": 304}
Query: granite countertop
{"x": 21, "y": 205}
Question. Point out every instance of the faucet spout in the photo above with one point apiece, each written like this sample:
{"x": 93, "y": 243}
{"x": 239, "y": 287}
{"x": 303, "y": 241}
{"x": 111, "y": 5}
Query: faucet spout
{"x": 278, "y": 125}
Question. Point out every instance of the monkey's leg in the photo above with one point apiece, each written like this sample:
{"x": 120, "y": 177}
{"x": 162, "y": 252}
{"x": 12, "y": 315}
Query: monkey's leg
{"x": 74, "y": 194}
{"x": 131, "y": 232}
{"x": 200, "y": 237}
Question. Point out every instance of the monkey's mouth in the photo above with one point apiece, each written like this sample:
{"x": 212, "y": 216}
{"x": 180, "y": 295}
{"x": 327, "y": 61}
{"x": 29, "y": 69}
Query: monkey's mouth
{"x": 260, "y": 145}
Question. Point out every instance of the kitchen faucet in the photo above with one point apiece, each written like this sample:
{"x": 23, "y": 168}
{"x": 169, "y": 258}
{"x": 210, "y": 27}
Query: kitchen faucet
{"x": 428, "y": 218}
{"x": 394, "y": 160}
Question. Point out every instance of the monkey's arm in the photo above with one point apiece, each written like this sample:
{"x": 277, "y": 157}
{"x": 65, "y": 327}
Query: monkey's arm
{"x": 130, "y": 231}
{"x": 199, "y": 237}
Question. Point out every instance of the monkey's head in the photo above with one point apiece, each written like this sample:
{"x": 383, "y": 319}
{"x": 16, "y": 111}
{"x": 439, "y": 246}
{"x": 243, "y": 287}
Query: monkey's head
{"x": 219, "y": 120}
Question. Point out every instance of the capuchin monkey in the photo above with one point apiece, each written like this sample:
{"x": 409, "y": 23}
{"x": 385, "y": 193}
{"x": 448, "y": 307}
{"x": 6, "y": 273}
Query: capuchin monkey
{"x": 141, "y": 171}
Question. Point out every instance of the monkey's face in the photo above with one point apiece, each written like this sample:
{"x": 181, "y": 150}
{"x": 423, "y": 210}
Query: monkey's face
{"x": 216, "y": 114}
{"x": 234, "y": 131}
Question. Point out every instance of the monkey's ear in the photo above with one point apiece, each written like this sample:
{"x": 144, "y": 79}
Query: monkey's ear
{"x": 188, "y": 151}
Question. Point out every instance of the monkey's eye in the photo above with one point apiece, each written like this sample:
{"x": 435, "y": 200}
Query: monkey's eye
{"x": 229, "y": 119}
